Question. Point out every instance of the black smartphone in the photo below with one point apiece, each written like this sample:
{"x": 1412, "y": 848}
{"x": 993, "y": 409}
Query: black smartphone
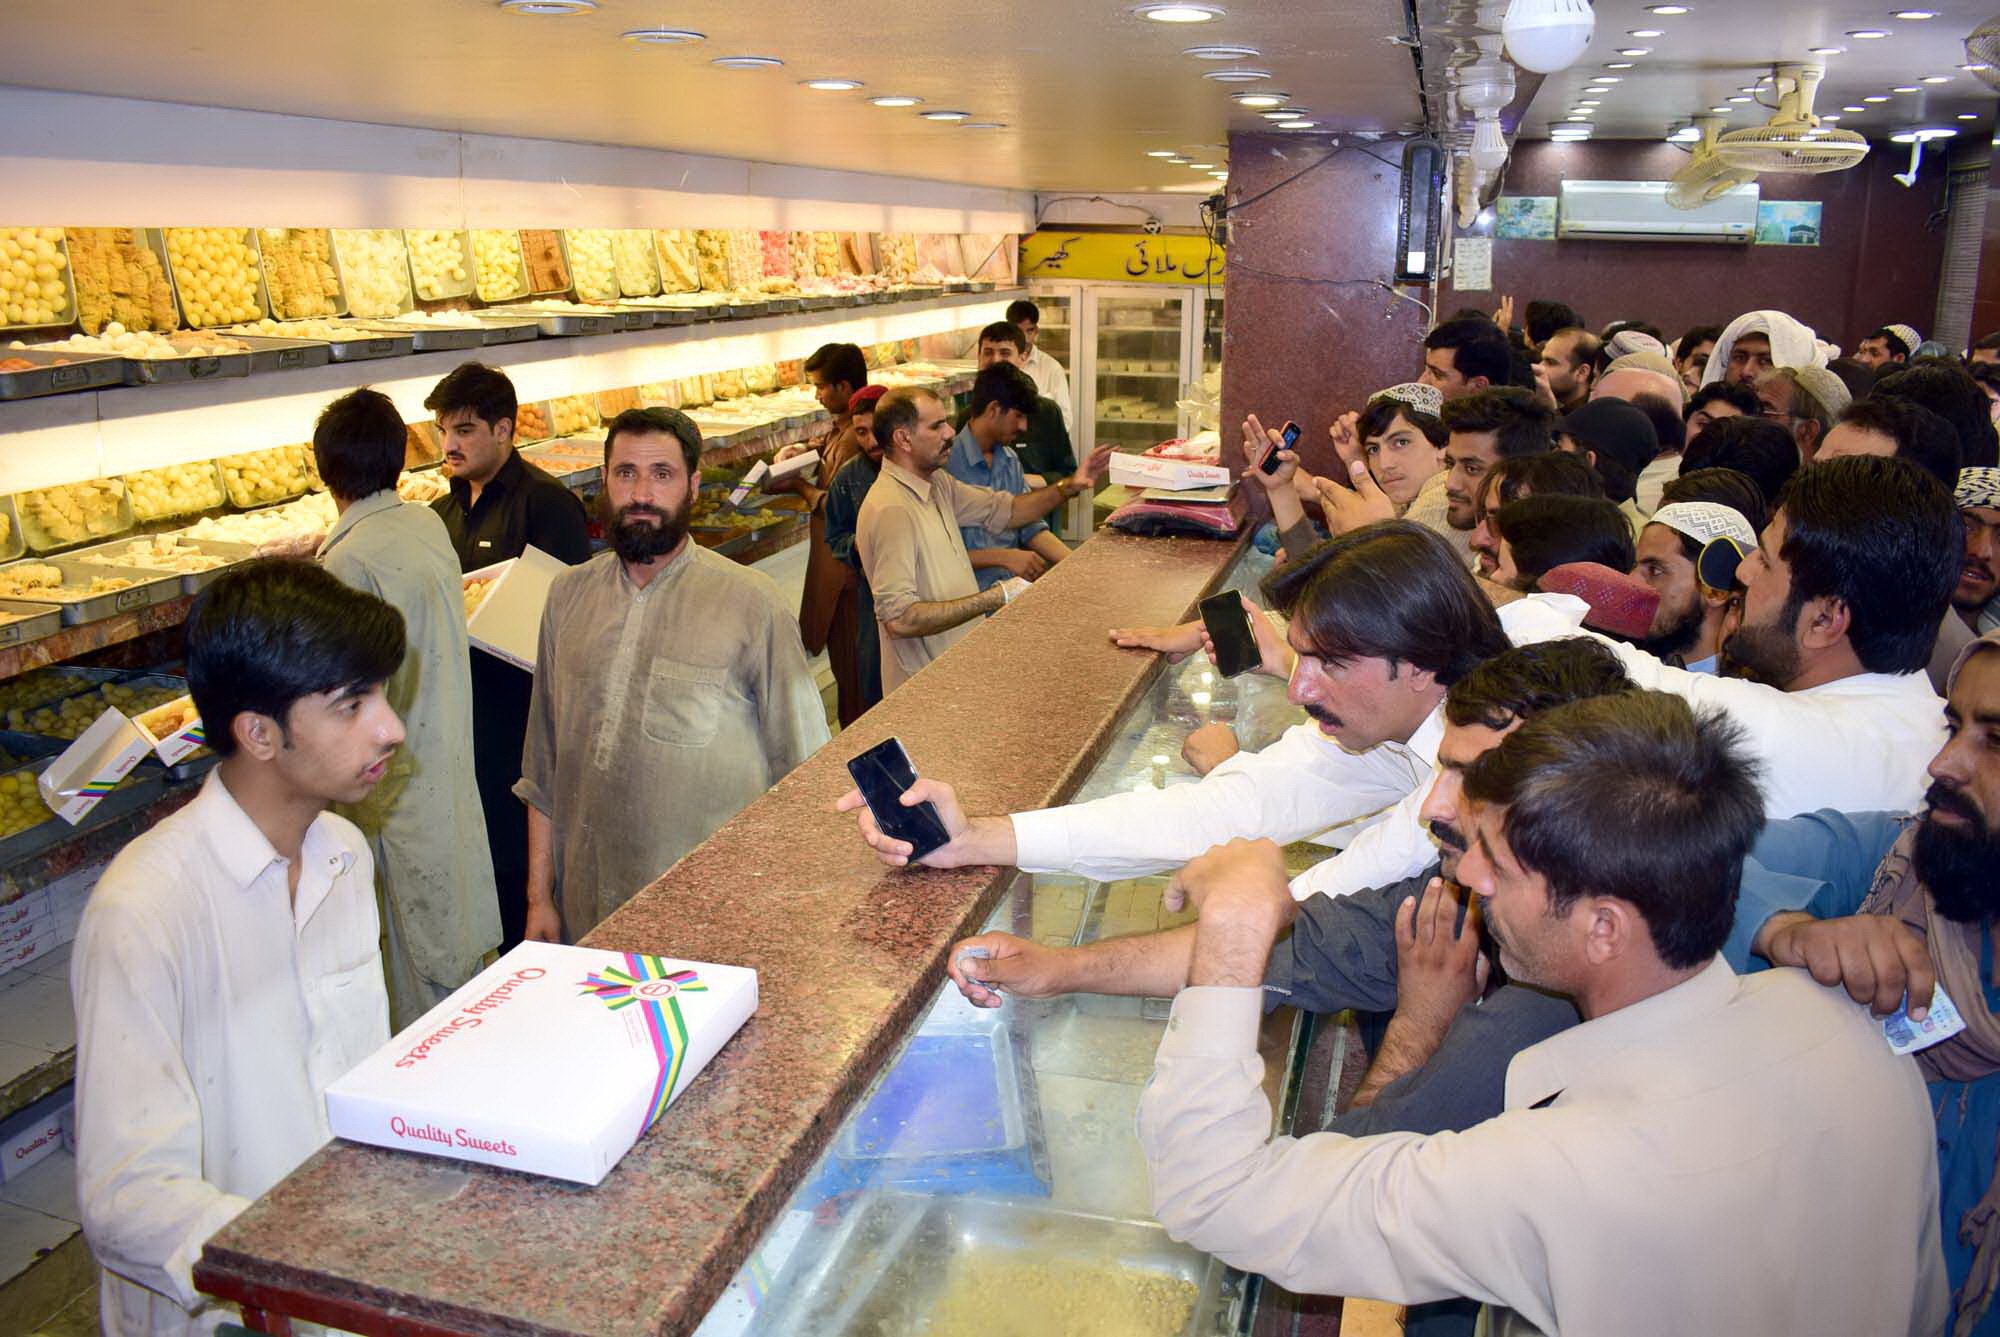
{"x": 882, "y": 773}
{"x": 1229, "y": 627}
{"x": 1290, "y": 438}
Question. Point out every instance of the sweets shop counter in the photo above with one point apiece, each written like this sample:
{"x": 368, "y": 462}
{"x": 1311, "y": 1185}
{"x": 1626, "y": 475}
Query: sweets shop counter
{"x": 990, "y": 1182}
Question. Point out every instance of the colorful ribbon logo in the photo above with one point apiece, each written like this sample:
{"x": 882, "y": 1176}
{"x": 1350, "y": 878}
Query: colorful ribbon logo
{"x": 647, "y": 983}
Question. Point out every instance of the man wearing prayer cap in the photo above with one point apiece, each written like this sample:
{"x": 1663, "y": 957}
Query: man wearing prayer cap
{"x": 1757, "y": 341}
{"x": 1687, "y": 628}
{"x": 1978, "y": 498}
{"x": 1805, "y": 401}
{"x": 1889, "y": 346}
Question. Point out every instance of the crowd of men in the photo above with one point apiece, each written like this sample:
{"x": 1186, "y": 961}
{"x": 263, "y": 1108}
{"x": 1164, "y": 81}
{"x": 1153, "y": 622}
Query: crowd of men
{"x": 1649, "y": 722}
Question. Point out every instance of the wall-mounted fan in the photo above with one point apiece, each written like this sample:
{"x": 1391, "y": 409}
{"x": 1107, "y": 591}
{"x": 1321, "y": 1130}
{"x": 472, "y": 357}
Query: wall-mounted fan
{"x": 1793, "y": 140}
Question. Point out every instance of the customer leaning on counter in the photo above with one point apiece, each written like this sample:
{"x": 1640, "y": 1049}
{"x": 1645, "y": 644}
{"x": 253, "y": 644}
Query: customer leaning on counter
{"x": 440, "y": 915}
{"x": 498, "y": 505}
{"x": 671, "y": 689}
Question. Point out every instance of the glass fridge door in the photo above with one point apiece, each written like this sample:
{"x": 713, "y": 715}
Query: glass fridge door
{"x": 1202, "y": 383}
{"x": 1135, "y": 377}
{"x": 1059, "y": 303}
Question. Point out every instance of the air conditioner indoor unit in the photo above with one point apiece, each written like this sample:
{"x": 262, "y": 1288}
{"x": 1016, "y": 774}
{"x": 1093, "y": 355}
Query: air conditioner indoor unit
{"x": 1638, "y": 211}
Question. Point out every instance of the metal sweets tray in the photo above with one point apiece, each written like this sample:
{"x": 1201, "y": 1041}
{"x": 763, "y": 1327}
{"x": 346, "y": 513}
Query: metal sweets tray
{"x": 58, "y": 371}
{"x": 172, "y": 370}
{"x": 190, "y": 581}
{"x": 434, "y": 338}
{"x": 23, "y": 621}
{"x": 271, "y": 352}
{"x": 29, "y": 534}
{"x": 147, "y": 588}
{"x": 508, "y": 329}
{"x": 889, "y": 1264}
{"x": 128, "y": 796}
{"x": 366, "y": 350}
{"x": 564, "y": 324}
{"x": 69, "y": 294}
{"x": 522, "y": 286}
{"x": 333, "y": 259}
{"x": 27, "y": 742}
{"x": 256, "y": 268}
{"x": 408, "y": 302}
{"x": 465, "y": 253}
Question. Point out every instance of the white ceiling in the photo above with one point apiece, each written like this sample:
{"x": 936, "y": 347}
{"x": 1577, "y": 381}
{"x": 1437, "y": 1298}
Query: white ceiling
{"x": 1709, "y": 54}
{"x": 1084, "y": 89}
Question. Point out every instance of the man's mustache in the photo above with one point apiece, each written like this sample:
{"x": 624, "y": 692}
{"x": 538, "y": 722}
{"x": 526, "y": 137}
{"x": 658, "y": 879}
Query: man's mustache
{"x": 1448, "y": 836}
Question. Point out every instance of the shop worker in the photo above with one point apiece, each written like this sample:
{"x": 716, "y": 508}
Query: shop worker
{"x": 1049, "y": 375}
{"x": 499, "y": 504}
{"x": 671, "y": 689}
{"x": 228, "y": 965}
{"x": 982, "y": 455}
{"x": 908, "y": 536}
{"x": 841, "y": 508}
{"x": 829, "y": 609}
{"x": 1752, "y": 1139}
{"x": 440, "y": 914}
{"x": 1045, "y": 450}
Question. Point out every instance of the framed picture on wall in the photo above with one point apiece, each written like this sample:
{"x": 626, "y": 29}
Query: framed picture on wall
{"x": 1788, "y": 222}
{"x": 1525, "y": 217}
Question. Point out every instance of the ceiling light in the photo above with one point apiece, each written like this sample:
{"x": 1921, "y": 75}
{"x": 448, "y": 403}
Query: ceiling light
{"x": 894, "y": 100}
{"x": 662, "y": 36}
{"x": 1739, "y": 98}
{"x": 1589, "y": 102}
{"x": 1875, "y": 97}
{"x": 1179, "y": 12}
{"x": 1222, "y": 52}
{"x": 1202, "y": 166}
{"x": 1220, "y": 176}
{"x": 833, "y": 85}
{"x": 1919, "y": 136}
{"x": 945, "y": 115}
{"x": 1287, "y": 114}
{"x": 1297, "y": 125}
{"x": 1720, "y": 111}
{"x": 1867, "y": 34}
{"x": 1904, "y": 88}
{"x": 1608, "y": 79}
{"x": 984, "y": 125}
{"x": 1666, "y": 9}
{"x": 1617, "y": 64}
{"x": 1596, "y": 89}
{"x": 747, "y": 62}
{"x": 1239, "y": 75}
{"x": 1854, "y": 109}
{"x": 1963, "y": 116}
{"x": 1579, "y": 116}
{"x": 1829, "y": 50}
{"x": 1645, "y": 32}
{"x": 549, "y": 7}
{"x": 1547, "y": 35}
{"x": 1687, "y": 134}
{"x": 1161, "y": 153}
{"x": 1914, "y": 15}
{"x": 1976, "y": 67}
{"x": 1831, "y": 120}
{"x": 1178, "y": 160}
{"x": 1264, "y": 99}
{"x": 1635, "y": 50}
{"x": 1937, "y": 78}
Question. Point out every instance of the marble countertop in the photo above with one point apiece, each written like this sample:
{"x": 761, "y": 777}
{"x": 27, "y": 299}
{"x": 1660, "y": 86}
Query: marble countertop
{"x": 847, "y": 952}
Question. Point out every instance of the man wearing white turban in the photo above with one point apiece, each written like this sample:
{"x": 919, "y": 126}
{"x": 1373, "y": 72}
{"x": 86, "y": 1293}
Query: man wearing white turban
{"x": 1758, "y": 341}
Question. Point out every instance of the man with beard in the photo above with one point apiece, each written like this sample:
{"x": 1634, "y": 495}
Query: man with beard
{"x": 1890, "y": 905}
{"x": 1978, "y": 498}
{"x": 1486, "y": 428}
{"x": 1556, "y": 473}
{"x": 1565, "y": 370}
{"x": 665, "y": 677}
{"x": 1701, "y": 1153}
{"x": 1687, "y": 628}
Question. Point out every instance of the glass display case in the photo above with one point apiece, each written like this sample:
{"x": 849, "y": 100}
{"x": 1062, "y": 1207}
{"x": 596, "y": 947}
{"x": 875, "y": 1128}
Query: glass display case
{"x": 994, "y": 1160}
{"x": 1137, "y": 371}
{"x": 1058, "y": 332}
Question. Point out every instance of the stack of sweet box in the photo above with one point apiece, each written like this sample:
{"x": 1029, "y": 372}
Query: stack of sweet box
{"x": 42, "y": 921}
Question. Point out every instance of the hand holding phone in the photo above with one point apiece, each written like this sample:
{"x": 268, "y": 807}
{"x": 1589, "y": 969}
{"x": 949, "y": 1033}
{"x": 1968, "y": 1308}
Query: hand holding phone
{"x": 882, "y": 773}
{"x": 1229, "y": 628}
{"x": 1288, "y": 440}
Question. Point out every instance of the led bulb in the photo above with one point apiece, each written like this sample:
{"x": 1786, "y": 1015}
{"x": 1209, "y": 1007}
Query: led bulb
{"x": 1547, "y": 35}
{"x": 1489, "y": 146}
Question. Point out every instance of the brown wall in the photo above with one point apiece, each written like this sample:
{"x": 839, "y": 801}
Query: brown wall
{"x": 1878, "y": 262}
{"x": 1986, "y": 300}
{"x": 1299, "y": 342}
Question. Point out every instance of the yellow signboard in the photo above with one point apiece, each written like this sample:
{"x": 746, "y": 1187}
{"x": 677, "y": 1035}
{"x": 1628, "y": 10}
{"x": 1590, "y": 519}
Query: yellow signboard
{"x": 1120, "y": 257}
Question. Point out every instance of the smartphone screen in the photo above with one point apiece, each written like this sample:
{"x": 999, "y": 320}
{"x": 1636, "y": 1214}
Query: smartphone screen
{"x": 882, "y": 773}
{"x": 1290, "y": 437}
{"x": 1229, "y": 627}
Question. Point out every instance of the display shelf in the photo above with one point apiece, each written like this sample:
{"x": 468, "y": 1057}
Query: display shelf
{"x": 1106, "y": 375}
{"x": 89, "y": 637}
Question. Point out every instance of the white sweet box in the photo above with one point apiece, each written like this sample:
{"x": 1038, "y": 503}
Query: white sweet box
{"x": 552, "y": 1060}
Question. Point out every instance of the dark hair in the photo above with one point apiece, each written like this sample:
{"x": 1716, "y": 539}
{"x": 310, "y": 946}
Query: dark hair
{"x": 475, "y": 386}
{"x": 1986, "y": 373}
{"x": 1382, "y": 411}
{"x": 1522, "y": 682}
{"x": 1885, "y": 539}
{"x": 1391, "y": 590}
{"x": 1006, "y": 385}
{"x": 1696, "y": 337}
{"x": 1548, "y": 529}
{"x": 1858, "y": 377}
{"x": 1545, "y": 318}
{"x": 1921, "y": 437}
{"x": 1668, "y": 425}
{"x": 1004, "y": 332}
{"x": 1889, "y": 337}
{"x": 1556, "y": 473}
{"x": 1618, "y": 327}
{"x": 1478, "y": 348}
{"x": 267, "y": 633}
{"x": 1948, "y": 390}
{"x": 840, "y": 364}
{"x": 1520, "y": 425}
{"x": 1738, "y": 396}
{"x": 1986, "y": 341}
{"x": 657, "y": 421}
{"x": 358, "y": 444}
{"x": 1724, "y": 487}
{"x": 1022, "y": 310}
{"x": 1750, "y": 445}
{"x": 1637, "y": 797}
{"x": 895, "y": 412}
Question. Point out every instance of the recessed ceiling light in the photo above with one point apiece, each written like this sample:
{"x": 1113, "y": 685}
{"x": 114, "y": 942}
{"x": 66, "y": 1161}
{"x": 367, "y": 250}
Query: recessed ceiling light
{"x": 747, "y": 62}
{"x": 1720, "y": 111}
{"x": 945, "y": 115}
{"x": 1635, "y": 51}
{"x": 1297, "y": 125}
{"x": 662, "y": 36}
{"x": 1285, "y": 114}
{"x": 1666, "y": 9}
{"x": 894, "y": 100}
{"x": 1904, "y": 88}
{"x": 1739, "y": 98}
{"x": 833, "y": 85}
{"x": 1220, "y": 176}
{"x": 1202, "y": 166}
{"x": 1963, "y": 116}
{"x": 1178, "y": 159}
{"x": 1161, "y": 153}
{"x": 1589, "y": 102}
{"x": 1264, "y": 99}
{"x": 1854, "y": 109}
{"x": 1747, "y": 88}
{"x": 1929, "y": 132}
{"x": 1645, "y": 32}
{"x": 1867, "y": 34}
{"x": 1914, "y": 15}
{"x": 1176, "y": 11}
{"x": 1239, "y": 75}
{"x": 983, "y": 125}
{"x": 1975, "y": 67}
{"x": 1222, "y": 52}
{"x": 1578, "y": 116}
{"x": 549, "y": 7}
{"x": 1608, "y": 79}
{"x": 1875, "y": 97}
{"x": 1617, "y": 64}
{"x": 1937, "y": 78}
{"x": 1831, "y": 120}
{"x": 1829, "y": 50}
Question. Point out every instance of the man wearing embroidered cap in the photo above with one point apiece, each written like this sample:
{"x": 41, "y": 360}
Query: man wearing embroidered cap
{"x": 1805, "y": 401}
{"x": 1978, "y": 500}
{"x": 1687, "y": 628}
{"x": 1889, "y": 346}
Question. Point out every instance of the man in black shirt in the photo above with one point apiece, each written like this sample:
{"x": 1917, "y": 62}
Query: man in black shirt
{"x": 498, "y": 505}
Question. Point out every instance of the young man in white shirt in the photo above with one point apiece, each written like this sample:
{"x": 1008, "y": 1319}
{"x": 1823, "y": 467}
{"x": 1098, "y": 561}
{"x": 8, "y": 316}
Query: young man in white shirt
{"x": 1051, "y": 381}
{"x": 228, "y": 966}
{"x": 1702, "y": 1153}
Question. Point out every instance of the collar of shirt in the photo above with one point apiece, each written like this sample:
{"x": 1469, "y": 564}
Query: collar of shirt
{"x": 356, "y": 512}
{"x": 968, "y": 455}
{"x": 1423, "y": 743}
{"x": 921, "y": 487}
{"x": 244, "y": 853}
{"x": 675, "y": 565}
{"x": 502, "y": 482}
{"x": 1597, "y": 1049}
{"x": 1703, "y": 665}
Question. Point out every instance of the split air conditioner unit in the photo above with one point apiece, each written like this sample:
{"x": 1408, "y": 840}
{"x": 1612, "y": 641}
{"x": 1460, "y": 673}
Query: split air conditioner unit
{"x": 1638, "y": 211}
